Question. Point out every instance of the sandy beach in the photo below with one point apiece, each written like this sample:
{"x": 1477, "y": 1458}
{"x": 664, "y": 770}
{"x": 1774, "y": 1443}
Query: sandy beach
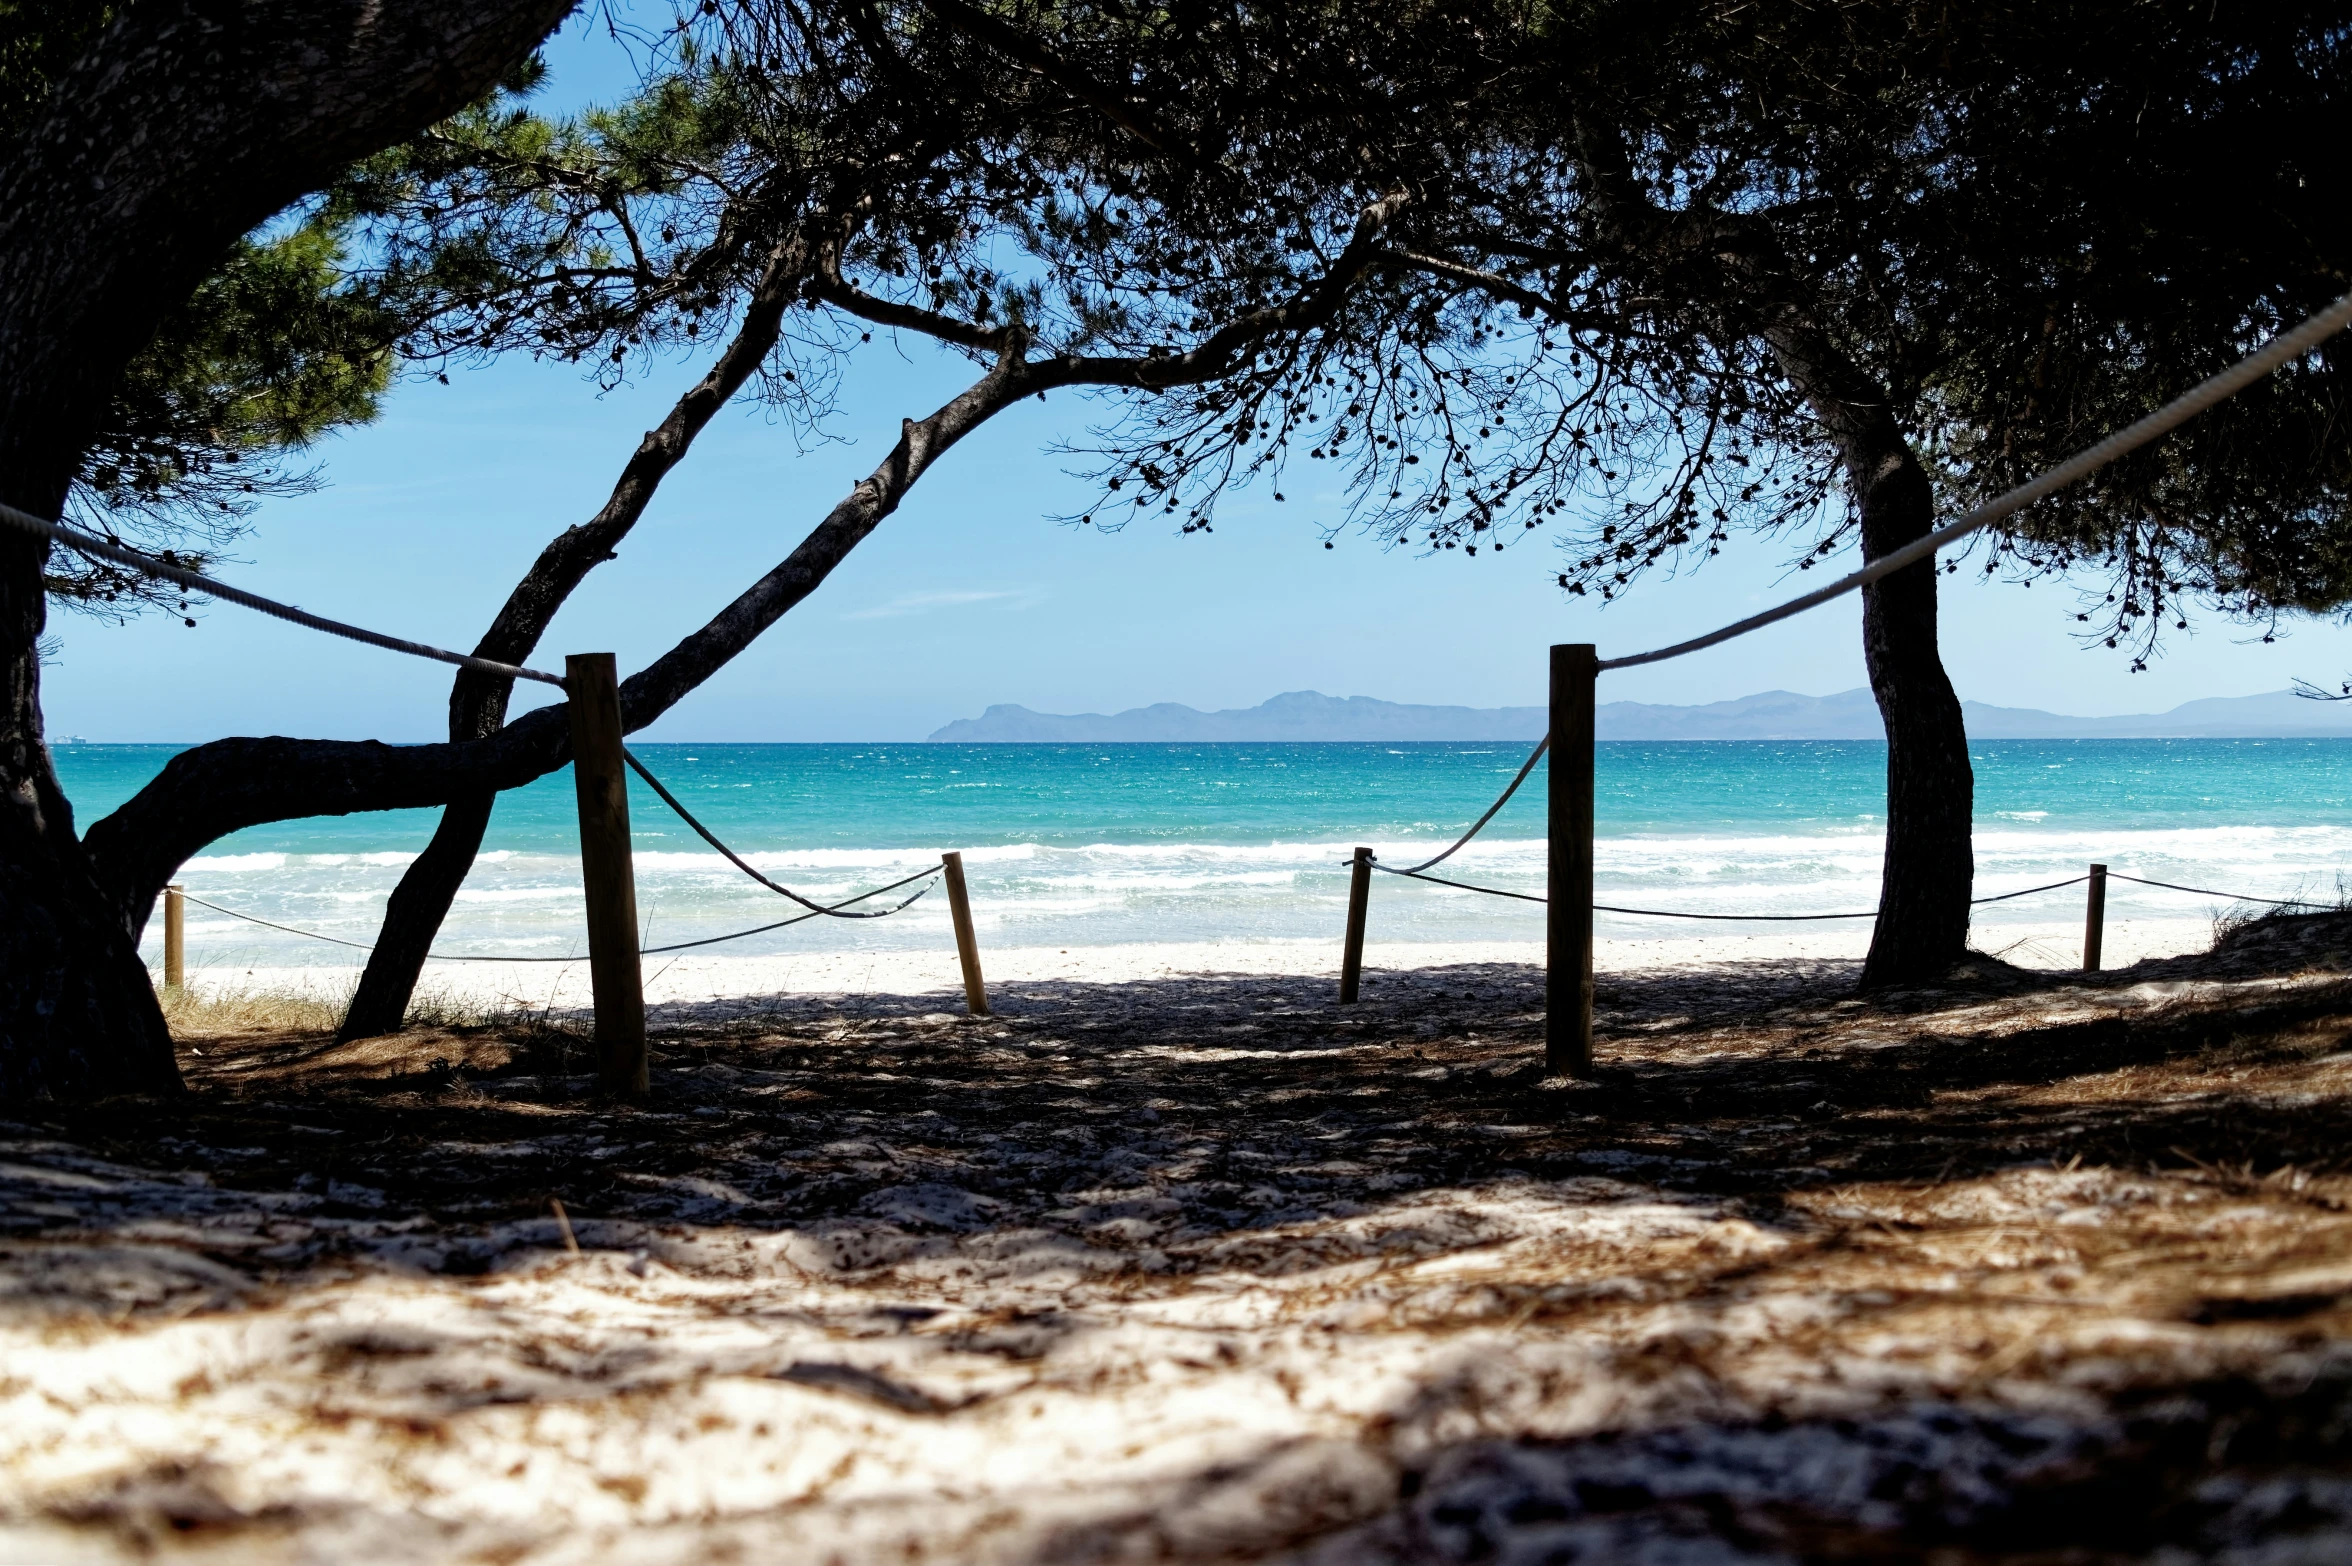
{"x": 690, "y": 983}
{"x": 1208, "y": 1269}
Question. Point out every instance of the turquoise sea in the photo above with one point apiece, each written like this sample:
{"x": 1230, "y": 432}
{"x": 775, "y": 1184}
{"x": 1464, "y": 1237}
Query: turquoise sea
{"x": 1070, "y": 845}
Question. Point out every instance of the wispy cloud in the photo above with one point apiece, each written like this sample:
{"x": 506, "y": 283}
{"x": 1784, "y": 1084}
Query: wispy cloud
{"x": 923, "y": 603}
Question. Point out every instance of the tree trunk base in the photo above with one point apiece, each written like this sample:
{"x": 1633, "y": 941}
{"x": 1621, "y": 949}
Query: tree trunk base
{"x": 78, "y": 1013}
{"x": 1930, "y": 867}
{"x": 413, "y": 918}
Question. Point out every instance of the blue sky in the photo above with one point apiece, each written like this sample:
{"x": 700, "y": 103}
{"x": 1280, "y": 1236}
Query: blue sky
{"x": 970, "y": 594}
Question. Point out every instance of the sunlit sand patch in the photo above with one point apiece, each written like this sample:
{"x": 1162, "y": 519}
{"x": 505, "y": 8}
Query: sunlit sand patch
{"x": 694, "y": 983}
{"x": 1210, "y": 1269}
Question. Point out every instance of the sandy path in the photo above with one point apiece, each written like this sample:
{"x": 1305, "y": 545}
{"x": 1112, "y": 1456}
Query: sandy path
{"x": 1209, "y": 1270}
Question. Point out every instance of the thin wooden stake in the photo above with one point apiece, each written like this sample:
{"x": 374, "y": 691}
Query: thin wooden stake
{"x": 2094, "y": 918}
{"x": 959, "y": 904}
{"x": 563, "y": 1221}
{"x": 1351, "y": 955}
{"x": 175, "y": 937}
{"x": 608, "y": 873}
{"x": 1568, "y": 920}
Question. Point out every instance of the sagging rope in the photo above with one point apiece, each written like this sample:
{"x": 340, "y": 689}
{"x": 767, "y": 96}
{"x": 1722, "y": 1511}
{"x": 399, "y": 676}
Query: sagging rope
{"x": 816, "y": 909}
{"x": 642, "y": 951}
{"x": 1665, "y": 913}
{"x": 2275, "y": 902}
{"x": 2205, "y": 394}
{"x": 197, "y": 581}
{"x": 736, "y": 859}
{"x": 1439, "y": 880}
{"x": 1761, "y": 918}
{"x": 833, "y": 909}
{"x": 1479, "y": 825}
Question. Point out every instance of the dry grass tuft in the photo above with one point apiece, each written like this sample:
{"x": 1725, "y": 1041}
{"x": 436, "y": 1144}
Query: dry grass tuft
{"x": 2246, "y": 921}
{"x": 231, "y": 1013}
{"x": 207, "y": 1014}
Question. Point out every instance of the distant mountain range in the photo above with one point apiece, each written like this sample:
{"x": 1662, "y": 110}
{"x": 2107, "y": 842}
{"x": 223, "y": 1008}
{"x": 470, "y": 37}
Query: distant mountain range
{"x": 1782, "y": 715}
{"x": 1295, "y": 715}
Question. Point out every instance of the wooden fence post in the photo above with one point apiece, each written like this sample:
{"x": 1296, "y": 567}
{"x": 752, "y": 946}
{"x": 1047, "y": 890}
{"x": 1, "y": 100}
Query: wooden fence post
{"x": 1351, "y": 955}
{"x": 608, "y": 873}
{"x": 1568, "y": 919}
{"x": 175, "y": 937}
{"x": 959, "y": 905}
{"x": 2094, "y": 918}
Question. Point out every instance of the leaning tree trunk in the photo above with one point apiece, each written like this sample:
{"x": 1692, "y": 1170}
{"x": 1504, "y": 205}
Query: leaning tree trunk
{"x": 1930, "y": 865}
{"x": 77, "y": 1014}
{"x": 218, "y": 788}
{"x": 224, "y": 786}
{"x": 183, "y": 127}
{"x": 412, "y": 917}
{"x": 1733, "y": 268}
{"x": 477, "y": 702}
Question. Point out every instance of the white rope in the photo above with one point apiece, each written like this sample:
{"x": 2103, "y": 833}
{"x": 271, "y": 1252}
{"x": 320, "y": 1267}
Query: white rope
{"x": 1479, "y": 825}
{"x": 196, "y": 581}
{"x": 642, "y": 951}
{"x": 2205, "y": 891}
{"x": 2278, "y": 351}
{"x": 1756, "y": 918}
{"x": 736, "y": 859}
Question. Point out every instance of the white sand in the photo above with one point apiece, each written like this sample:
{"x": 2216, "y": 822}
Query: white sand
{"x": 693, "y": 980}
{"x": 1207, "y": 1280}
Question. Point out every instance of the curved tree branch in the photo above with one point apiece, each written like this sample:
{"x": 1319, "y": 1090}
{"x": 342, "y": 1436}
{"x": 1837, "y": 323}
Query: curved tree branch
{"x": 212, "y": 790}
{"x": 1309, "y": 308}
{"x": 1502, "y": 288}
{"x": 830, "y": 286}
{"x": 477, "y": 706}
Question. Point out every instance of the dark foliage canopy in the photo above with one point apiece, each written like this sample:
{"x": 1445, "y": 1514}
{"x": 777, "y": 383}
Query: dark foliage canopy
{"x": 2020, "y": 226}
{"x": 2027, "y": 224}
{"x": 275, "y": 349}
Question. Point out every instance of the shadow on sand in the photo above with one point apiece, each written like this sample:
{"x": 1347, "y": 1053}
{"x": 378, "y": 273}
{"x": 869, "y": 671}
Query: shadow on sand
{"x": 1211, "y": 1268}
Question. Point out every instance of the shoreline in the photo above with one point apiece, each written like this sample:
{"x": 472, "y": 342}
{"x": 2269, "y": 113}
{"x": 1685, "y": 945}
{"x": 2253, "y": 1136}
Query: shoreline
{"x": 692, "y": 981}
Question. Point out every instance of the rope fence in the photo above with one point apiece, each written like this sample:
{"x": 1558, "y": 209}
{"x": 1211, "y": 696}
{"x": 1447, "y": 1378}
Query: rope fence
{"x": 2094, "y": 912}
{"x": 2281, "y": 350}
{"x": 816, "y": 909}
{"x": 601, "y": 762}
{"x": 1577, "y": 667}
{"x": 642, "y": 951}
{"x": 1867, "y": 913}
{"x": 2236, "y": 897}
